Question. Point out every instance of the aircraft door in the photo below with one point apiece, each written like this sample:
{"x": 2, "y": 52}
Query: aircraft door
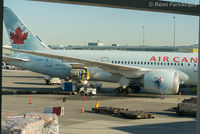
{"x": 195, "y": 68}
{"x": 105, "y": 59}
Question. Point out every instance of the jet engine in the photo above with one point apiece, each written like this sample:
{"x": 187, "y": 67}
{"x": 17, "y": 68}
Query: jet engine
{"x": 161, "y": 81}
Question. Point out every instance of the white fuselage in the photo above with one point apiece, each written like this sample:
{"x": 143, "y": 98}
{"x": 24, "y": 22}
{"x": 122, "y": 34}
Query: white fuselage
{"x": 183, "y": 63}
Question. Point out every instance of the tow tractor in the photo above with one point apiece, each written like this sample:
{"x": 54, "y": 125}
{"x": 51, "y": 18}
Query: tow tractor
{"x": 90, "y": 90}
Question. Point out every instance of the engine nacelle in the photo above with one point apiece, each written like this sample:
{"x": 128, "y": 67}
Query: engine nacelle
{"x": 76, "y": 73}
{"x": 162, "y": 81}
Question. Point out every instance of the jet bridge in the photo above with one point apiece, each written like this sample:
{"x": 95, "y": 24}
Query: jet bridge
{"x": 144, "y": 5}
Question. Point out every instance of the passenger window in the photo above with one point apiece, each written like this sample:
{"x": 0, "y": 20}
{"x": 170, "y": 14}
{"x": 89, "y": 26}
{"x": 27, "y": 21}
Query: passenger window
{"x": 148, "y": 63}
{"x": 174, "y": 64}
{"x": 195, "y": 65}
{"x": 188, "y": 64}
{"x": 131, "y": 62}
{"x": 144, "y": 63}
{"x": 135, "y": 62}
{"x": 181, "y": 64}
{"x": 141, "y": 62}
{"x": 128, "y": 62}
{"x": 138, "y": 62}
{"x": 164, "y": 63}
{"x": 171, "y": 64}
{"x": 168, "y": 64}
{"x": 122, "y": 62}
{"x": 151, "y": 63}
{"x": 125, "y": 62}
{"x": 158, "y": 63}
{"x": 178, "y": 64}
{"x": 154, "y": 63}
{"x": 161, "y": 63}
{"x": 118, "y": 62}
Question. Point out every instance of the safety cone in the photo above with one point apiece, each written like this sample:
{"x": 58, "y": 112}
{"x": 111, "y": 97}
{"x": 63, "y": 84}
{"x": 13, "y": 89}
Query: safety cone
{"x": 97, "y": 104}
{"x": 82, "y": 110}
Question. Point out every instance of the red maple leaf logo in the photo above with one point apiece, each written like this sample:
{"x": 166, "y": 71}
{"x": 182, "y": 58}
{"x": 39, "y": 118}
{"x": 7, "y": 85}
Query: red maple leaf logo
{"x": 18, "y": 37}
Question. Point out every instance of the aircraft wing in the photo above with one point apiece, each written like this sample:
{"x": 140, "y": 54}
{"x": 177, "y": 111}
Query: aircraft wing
{"x": 8, "y": 58}
{"x": 127, "y": 71}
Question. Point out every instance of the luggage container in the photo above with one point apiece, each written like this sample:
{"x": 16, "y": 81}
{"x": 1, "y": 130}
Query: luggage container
{"x": 52, "y": 81}
{"x": 69, "y": 87}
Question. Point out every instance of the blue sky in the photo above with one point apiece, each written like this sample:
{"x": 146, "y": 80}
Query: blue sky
{"x": 67, "y": 24}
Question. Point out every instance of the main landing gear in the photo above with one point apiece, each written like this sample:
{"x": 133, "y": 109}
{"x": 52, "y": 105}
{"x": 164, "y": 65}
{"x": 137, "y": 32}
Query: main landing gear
{"x": 127, "y": 90}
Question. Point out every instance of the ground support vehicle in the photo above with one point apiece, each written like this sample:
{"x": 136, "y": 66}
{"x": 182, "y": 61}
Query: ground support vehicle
{"x": 187, "y": 107}
{"x": 121, "y": 112}
{"x": 88, "y": 91}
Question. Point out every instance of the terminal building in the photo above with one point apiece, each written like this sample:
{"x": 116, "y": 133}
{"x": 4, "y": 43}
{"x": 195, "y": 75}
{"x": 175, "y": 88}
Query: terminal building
{"x": 96, "y": 46}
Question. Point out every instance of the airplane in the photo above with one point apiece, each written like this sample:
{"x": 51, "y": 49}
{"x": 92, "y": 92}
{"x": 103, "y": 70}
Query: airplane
{"x": 48, "y": 66}
{"x": 156, "y": 72}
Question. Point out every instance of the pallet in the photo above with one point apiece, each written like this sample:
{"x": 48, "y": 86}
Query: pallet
{"x": 124, "y": 112}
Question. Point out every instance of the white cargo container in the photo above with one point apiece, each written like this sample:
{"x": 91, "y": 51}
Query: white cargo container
{"x": 51, "y": 81}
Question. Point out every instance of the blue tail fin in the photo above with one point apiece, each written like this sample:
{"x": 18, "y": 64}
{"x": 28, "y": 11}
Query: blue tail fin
{"x": 20, "y": 36}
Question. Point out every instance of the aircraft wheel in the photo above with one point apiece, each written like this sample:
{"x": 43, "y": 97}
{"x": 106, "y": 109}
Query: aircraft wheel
{"x": 48, "y": 82}
{"x": 136, "y": 89}
{"x": 128, "y": 90}
{"x": 90, "y": 94}
{"x": 81, "y": 93}
{"x": 118, "y": 91}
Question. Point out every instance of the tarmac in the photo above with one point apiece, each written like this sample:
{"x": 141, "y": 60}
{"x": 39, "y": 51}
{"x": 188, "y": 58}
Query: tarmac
{"x": 75, "y": 122}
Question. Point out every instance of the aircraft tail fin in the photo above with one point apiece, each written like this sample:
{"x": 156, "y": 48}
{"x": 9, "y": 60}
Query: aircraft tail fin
{"x": 19, "y": 35}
